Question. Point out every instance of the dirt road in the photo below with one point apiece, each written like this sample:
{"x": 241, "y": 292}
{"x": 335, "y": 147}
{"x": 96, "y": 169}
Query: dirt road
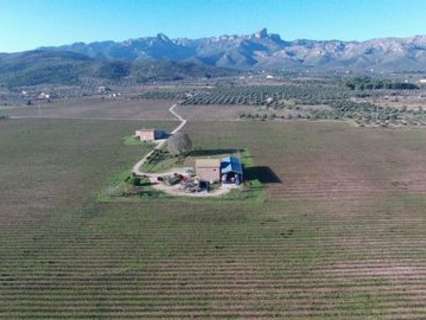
{"x": 137, "y": 168}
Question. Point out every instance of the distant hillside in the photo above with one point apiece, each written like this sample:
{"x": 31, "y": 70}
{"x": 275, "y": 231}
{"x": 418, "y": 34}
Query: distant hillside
{"x": 35, "y": 67}
{"x": 71, "y": 68}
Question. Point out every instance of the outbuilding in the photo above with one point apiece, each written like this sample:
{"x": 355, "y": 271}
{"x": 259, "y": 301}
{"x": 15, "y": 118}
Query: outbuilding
{"x": 149, "y": 134}
{"x": 208, "y": 169}
{"x": 231, "y": 170}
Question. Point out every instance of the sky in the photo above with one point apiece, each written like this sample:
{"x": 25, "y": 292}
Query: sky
{"x": 28, "y": 24}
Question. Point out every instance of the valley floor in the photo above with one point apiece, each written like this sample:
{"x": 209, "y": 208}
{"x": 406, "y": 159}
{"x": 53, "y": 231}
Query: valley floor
{"x": 340, "y": 234}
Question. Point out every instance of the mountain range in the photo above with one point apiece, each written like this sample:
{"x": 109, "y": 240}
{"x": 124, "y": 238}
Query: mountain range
{"x": 183, "y": 57}
{"x": 263, "y": 50}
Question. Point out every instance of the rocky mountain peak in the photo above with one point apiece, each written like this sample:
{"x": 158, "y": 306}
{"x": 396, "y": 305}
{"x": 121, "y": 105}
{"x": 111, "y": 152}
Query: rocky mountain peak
{"x": 163, "y": 37}
{"x": 261, "y": 34}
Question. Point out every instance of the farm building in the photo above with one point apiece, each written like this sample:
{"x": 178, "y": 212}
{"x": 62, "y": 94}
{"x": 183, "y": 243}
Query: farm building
{"x": 228, "y": 170}
{"x": 150, "y": 134}
{"x": 208, "y": 169}
{"x": 231, "y": 170}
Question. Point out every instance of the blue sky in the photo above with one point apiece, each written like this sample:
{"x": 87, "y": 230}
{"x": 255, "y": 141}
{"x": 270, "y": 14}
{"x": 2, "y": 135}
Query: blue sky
{"x": 27, "y": 24}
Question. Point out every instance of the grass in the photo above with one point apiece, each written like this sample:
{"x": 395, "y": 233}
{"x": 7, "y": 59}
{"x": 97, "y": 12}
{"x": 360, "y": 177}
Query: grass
{"x": 116, "y": 188}
{"x": 133, "y": 141}
{"x": 162, "y": 160}
{"x": 335, "y": 239}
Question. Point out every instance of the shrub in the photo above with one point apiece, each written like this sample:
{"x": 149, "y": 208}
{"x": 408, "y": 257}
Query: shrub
{"x": 179, "y": 144}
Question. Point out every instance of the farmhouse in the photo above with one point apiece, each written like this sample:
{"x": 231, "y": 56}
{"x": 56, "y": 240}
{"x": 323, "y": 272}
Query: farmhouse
{"x": 208, "y": 169}
{"x": 228, "y": 170}
{"x": 150, "y": 134}
{"x": 231, "y": 170}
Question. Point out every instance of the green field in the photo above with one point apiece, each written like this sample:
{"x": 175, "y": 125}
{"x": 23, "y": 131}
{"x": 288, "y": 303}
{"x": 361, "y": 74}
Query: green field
{"x": 340, "y": 234}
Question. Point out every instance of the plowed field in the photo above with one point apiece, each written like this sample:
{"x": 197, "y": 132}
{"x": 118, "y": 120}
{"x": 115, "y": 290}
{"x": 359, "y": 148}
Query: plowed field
{"x": 341, "y": 234}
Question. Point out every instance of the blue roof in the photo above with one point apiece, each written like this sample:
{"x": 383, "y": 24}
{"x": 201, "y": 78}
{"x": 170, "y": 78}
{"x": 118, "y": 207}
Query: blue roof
{"x": 231, "y": 164}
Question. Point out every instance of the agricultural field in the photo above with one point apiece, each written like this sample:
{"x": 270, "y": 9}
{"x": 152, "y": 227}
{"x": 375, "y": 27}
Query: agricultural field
{"x": 306, "y": 100}
{"x": 272, "y": 95}
{"x": 413, "y": 102}
{"x": 338, "y": 235}
{"x": 122, "y": 108}
{"x": 214, "y": 112}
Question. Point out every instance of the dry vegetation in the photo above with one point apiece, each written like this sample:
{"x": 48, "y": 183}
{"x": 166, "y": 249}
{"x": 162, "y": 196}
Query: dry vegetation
{"x": 410, "y": 102}
{"x": 340, "y": 235}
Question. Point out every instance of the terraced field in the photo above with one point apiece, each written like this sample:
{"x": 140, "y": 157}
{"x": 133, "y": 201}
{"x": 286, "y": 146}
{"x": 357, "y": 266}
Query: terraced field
{"x": 340, "y": 235}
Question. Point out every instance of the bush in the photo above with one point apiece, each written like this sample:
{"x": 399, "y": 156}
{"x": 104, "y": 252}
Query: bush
{"x": 179, "y": 144}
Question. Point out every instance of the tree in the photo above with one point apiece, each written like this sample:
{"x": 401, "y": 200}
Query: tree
{"x": 179, "y": 144}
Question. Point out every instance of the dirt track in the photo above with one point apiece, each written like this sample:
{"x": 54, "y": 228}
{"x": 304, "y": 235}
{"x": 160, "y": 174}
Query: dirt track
{"x": 137, "y": 167}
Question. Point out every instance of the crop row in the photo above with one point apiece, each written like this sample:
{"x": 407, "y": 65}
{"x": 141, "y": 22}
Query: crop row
{"x": 275, "y": 96}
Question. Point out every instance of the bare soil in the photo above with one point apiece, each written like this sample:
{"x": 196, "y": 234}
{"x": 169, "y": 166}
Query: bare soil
{"x": 213, "y": 112}
{"x": 177, "y": 189}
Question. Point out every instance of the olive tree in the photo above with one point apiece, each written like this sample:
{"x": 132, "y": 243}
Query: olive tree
{"x": 179, "y": 144}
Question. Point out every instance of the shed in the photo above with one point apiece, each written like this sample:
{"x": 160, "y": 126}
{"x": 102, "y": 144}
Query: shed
{"x": 208, "y": 169}
{"x": 231, "y": 170}
{"x": 149, "y": 134}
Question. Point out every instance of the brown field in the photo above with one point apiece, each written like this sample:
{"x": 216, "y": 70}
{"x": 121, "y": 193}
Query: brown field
{"x": 232, "y": 112}
{"x": 340, "y": 234}
{"x": 213, "y": 112}
{"x": 121, "y": 108}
